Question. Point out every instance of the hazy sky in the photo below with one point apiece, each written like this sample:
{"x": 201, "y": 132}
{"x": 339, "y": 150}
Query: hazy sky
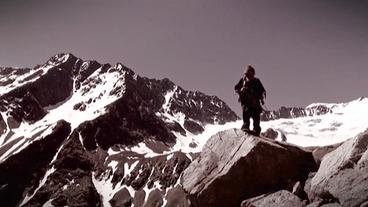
{"x": 303, "y": 51}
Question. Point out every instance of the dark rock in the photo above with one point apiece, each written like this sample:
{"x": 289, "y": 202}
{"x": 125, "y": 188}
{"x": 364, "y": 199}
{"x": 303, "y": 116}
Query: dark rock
{"x": 3, "y": 126}
{"x": 73, "y": 156}
{"x": 85, "y": 70}
{"x": 155, "y": 199}
{"x": 193, "y": 145}
{"x": 283, "y": 113}
{"x": 298, "y": 190}
{"x": 80, "y": 106}
{"x": 280, "y": 198}
{"x": 125, "y": 124}
{"x": 318, "y": 110}
{"x": 343, "y": 173}
{"x": 194, "y": 105}
{"x": 9, "y": 75}
{"x": 139, "y": 198}
{"x": 294, "y": 112}
{"x": 80, "y": 193}
{"x": 166, "y": 172}
{"x": 12, "y": 123}
{"x": 122, "y": 199}
{"x": 176, "y": 127}
{"x": 226, "y": 159}
{"x": 73, "y": 167}
{"x": 176, "y": 197}
{"x": 25, "y": 169}
{"x": 51, "y": 88}
{"x": 270, "y": 133}
{"x": 193, "y": 127}
{"x": 26, "y": 108}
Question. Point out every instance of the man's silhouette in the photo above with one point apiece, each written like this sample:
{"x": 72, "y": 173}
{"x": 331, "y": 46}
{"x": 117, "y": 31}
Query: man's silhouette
{"x": 251, "y": 96}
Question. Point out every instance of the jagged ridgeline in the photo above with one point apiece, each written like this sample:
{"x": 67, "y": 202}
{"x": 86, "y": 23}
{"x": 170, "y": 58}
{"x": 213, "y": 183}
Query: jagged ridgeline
{"x": 81, "y": 133}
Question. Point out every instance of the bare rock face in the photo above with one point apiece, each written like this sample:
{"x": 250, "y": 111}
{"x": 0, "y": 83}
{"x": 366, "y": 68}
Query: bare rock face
{"x": 2, "y": 125}
{"x": 126, "y": 124}
{"x": 246, "y": 166}
{"x": 25, "y": 108}
{"x": 343, "y": 173}
{"x": 193, "y": 127}
{"x": 280, "y": 198}
{"x": 25, "y": 168}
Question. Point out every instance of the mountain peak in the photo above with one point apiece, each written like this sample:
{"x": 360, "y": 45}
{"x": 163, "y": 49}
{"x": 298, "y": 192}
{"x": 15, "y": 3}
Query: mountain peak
{"x": 60, "y": 58}
{"x": 362, "y": 98}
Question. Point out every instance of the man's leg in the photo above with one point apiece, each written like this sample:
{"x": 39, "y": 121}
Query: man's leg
{"x": 246, "y": 117}
{"x": 256, "y": 116}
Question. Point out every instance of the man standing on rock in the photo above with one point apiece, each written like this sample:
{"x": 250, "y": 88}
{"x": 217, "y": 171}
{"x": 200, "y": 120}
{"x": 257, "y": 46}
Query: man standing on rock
{"x": 251, "y": 96}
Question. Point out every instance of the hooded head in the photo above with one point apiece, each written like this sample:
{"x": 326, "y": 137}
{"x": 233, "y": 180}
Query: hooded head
{"x": 249, "y": 72}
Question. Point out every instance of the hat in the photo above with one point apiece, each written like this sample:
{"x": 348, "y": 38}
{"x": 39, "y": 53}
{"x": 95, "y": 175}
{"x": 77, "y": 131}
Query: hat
{"x": 249, "y": 68}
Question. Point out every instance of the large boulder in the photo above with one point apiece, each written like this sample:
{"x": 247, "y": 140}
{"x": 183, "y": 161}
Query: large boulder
{"x": 343, "y": 174}
{"x": 280, "y": 198}
{"x": 234, "y": 166}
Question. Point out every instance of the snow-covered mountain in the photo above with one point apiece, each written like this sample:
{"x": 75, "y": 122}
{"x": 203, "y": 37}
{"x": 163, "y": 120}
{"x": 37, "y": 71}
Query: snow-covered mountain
{"x": 324, "y": 124}
{"x": 295, "y": 112}
{"x": 75, "y": 132}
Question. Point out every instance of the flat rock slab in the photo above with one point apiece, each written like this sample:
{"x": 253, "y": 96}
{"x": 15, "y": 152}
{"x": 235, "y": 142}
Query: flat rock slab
{"x": 234, "y": 166}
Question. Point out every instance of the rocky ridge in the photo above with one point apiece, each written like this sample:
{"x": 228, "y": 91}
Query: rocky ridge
{"x": 250, "y": 171}
{"x": 105, "y": 134}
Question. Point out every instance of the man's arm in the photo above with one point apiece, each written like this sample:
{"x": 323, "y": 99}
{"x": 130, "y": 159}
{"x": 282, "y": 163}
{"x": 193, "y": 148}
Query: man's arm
{"x": 239, "y": 85}
{"x": 262, "y": 91}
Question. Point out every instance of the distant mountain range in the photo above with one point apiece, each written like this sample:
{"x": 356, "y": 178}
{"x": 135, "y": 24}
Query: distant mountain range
{"x": 82, "y": 133}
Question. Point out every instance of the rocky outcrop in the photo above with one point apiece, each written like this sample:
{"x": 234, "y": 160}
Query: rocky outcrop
{"x": 128, "y": 123}
{"x": 25, "y": 108}
{"x": 343, "y": 174}
{"x": 24, "y": 169}
{"x": 3, "y": 126}
{"x": 280, "y": 198}
{"x": 245, "y": 165}
{"x": 295, "y": 112}
{"x": 72, "y": 166}
{"x": 8, "y": 74}
{"x": 193, "y": 127}
{"x": 270, "y": 133}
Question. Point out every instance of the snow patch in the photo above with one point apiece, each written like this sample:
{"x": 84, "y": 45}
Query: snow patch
{"x": 142, "y": 148}
{"x": 105, "y": 187}
{"x": 48, "y": 203}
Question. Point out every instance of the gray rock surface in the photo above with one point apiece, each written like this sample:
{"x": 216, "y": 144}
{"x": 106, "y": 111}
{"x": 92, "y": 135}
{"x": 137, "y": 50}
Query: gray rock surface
{"x": 234, "y": 166}
{"x": 280, "y": 198}
{"x": 343, "y": 174}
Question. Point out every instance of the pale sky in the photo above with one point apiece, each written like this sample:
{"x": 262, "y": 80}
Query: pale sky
{"x": 304, "y": 51}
